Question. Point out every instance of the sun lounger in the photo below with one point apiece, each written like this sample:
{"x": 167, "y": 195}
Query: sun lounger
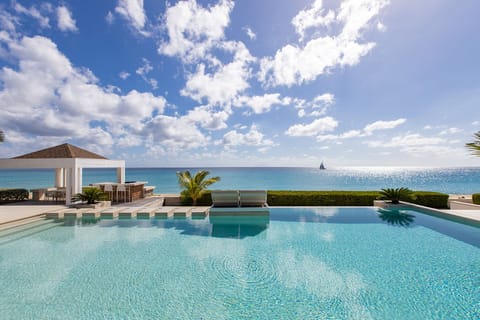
{"x": 225, "y": 198}
{"x": 253, "y": 198}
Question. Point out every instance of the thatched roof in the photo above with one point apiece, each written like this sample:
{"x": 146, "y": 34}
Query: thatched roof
{"x": 61, "y": 152}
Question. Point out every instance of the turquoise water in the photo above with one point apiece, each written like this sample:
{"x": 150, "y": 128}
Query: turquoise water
{"x": 447, "y": 180}
{"x": 301, "y": 263}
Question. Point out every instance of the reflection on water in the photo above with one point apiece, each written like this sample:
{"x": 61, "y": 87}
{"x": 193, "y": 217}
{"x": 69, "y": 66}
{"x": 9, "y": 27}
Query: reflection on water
{"x": 396, "y": 217}
{"x": 238, "y": 226}
{"x": 224, "y": 226}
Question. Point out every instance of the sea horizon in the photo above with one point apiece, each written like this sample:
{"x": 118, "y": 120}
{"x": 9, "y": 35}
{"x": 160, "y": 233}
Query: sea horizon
{"x": 450, "y": 180}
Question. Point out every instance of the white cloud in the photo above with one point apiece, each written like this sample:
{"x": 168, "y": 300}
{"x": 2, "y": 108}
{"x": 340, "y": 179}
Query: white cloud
{"x": 124, "y": 75}
{"x": 318, "y": 126}
{"x": 261, "y": 104}
{"x": 34, "y": 13}
{"x": 312, "y": 17}
{"x": 367, "y": 130}
{"x": 64, "y": 101}
{"x": 225, "y": 83}
{"x": 65, "y": 20}
{"x": 145, "y": 69}
{"x": 407, "y": 140}
{"x": 133, "y": 12}
{"x": 8, "y": 22}
{"x": 449, "y": 131}
{"x": 208, "y": 118}
{"x": 383, "y": 125}
{"x": 253, "y": 137}
{"x": 250, "y": 33}
{"x": 475, "y": 123}
{"x": 295, "y": 64}
{"x": 418, "y": 145}
{"x": 174, "y": 133}
{"x": 193, "y": 30}
{"x": 345, "y": 135}
{"x": 319, "y": 105}
{"x": 381, "y": 27}
{"x": 109, "y": 17}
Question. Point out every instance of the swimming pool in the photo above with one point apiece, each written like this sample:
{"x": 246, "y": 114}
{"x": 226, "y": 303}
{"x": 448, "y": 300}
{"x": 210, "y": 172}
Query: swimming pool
{"x": 299, "y": 263}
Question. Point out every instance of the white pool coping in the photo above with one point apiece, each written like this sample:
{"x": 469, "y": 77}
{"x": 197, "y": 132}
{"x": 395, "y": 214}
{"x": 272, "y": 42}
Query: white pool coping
{"x": 12, "y": 213}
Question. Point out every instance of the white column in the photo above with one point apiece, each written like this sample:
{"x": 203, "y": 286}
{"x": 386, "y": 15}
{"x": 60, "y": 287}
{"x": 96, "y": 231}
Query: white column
{"x": 59, "y": 177}
{"x": 79, "y": 180}
{"x": 121, "y": 175}
{"x": 68, "y": 185}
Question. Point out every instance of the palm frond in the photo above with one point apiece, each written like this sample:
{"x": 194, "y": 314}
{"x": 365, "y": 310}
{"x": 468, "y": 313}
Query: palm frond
{"x": 474, "y": 146}
{"x": 194, "y": 187}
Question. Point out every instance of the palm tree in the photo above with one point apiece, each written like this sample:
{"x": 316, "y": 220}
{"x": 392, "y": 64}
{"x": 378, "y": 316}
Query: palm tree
{"x": 2, "y": 136}
{"x": 194, "y": 187}
{"x": 475, "y": 146}
{"x": 395, "y": 195}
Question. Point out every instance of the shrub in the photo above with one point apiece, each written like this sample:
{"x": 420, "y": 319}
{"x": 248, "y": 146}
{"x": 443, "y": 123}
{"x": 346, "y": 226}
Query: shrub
{"x": 333, "y": 198}
{"x": 13, "y": 194}
{"x": 476, "y": 198}
{"x": 431, "y": 199}
{"x": 321, "y": 198}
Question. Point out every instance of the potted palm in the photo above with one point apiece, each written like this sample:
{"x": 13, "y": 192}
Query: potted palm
{"x": 90, "y": 198}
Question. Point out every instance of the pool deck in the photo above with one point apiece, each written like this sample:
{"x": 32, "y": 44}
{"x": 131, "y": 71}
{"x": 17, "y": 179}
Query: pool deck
{"x": 19, "y": 211}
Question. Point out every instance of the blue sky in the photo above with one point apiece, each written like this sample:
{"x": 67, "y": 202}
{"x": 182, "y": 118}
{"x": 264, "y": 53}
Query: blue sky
{"x": 243, "y": 83}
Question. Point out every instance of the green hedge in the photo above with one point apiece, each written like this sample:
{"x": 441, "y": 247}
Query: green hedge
{"x": 13, "y": 194}
{"x": 431, "y": 199}
{"x": 321, "y": 198}
{"x": 476, "y": 198}
{"x": 335, "y": 198}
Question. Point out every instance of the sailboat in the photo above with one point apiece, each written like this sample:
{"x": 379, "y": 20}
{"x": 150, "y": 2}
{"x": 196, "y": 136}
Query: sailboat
{"x": 322, "y": 167}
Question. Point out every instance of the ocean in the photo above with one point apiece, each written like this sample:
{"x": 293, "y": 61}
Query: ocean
{"x": 447, "y": 180}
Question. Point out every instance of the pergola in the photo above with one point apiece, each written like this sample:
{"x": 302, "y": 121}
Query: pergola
{"x": 68, "y": 162}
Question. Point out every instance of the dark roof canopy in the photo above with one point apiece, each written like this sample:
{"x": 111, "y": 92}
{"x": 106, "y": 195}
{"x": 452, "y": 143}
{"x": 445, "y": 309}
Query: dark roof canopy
{"x": 61, "y": 151}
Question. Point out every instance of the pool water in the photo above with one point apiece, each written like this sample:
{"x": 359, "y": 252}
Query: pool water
{"x": 299, "y": 263}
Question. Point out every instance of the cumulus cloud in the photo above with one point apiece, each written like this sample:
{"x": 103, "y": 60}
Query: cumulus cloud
{"x": 8, "y": 22}
{"x": 134, "y": 13}
{"x": 313, "y": 17}
{"x": 66, "y": 101}
{"x": 314, "y": 128}
{"x": 261, "y": 104}
{"x": 253, "y": 138}
{"x": 174, "y": 133}
{"x": 295, "y": 64}
{"x": 208, "y": 118}
{"x": 367, "y": 130}
{"x": 382, "y": 125}
{"x": 416, "y": 144}
{"x": 225, "y": 83}
{"x": 124, "y": 75}
{"x": 193, "y": 30}
{"x": 407, "y": 140}
{"x": 450, "y": 131}
{"x": 65, "y": 20}
{"x": 144, "y": 70}
{"x": 33, "y": 12}
{"x": 250, "y": 33}
{"x": 316, "y": 107}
